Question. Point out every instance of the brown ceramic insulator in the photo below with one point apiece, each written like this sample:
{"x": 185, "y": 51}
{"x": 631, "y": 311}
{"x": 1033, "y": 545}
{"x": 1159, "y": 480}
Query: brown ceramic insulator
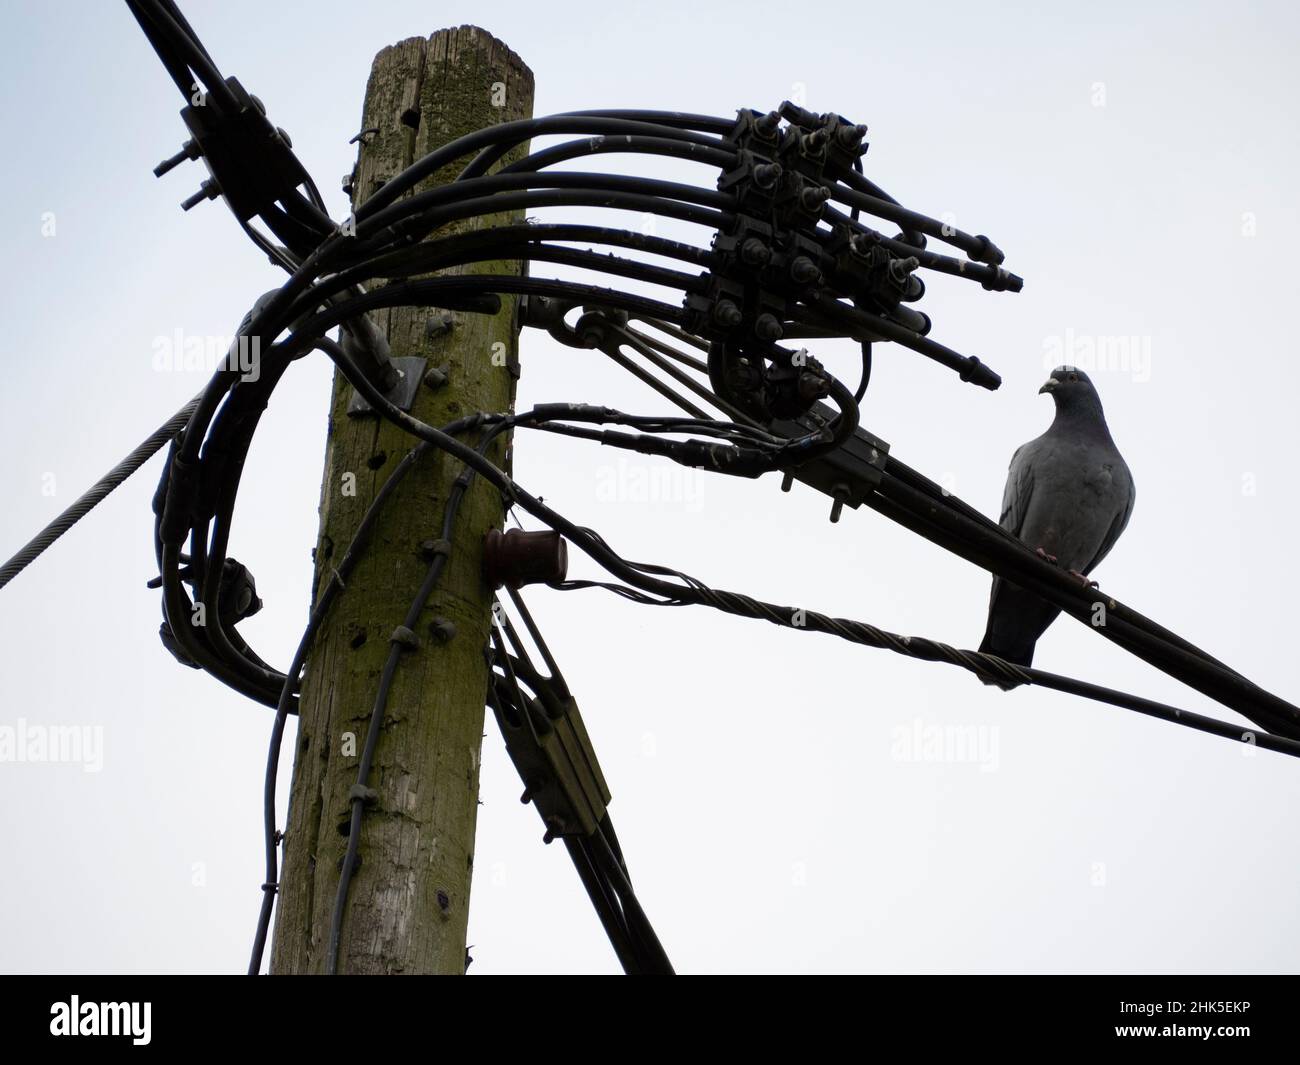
{"x": 517, "y": 558}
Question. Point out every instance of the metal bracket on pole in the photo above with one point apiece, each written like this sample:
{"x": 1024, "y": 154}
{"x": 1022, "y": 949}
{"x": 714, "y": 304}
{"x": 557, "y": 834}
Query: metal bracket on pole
{"x": 410, "y": 370}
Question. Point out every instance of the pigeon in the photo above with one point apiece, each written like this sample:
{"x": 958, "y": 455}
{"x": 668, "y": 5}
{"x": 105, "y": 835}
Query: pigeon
{"x": 1069, "y": 495}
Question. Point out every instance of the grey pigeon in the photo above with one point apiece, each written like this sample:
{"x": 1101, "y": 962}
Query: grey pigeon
{"x": 1069, "y": 495}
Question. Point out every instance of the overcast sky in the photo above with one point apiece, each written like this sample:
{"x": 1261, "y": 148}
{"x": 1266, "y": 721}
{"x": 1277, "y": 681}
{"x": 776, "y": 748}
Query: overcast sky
{"x": 773, "y": 789}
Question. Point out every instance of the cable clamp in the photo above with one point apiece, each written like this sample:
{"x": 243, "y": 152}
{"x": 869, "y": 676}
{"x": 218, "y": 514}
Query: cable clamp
{"x": 431, "y": 549}
{"x": 405, "y": 638}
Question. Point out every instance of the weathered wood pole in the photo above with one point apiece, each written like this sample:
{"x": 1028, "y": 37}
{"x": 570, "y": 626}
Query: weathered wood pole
{"x": 409, "y": 900}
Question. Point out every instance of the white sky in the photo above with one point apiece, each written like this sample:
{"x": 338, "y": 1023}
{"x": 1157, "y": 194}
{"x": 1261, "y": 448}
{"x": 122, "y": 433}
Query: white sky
{"x": 771, "y": 818}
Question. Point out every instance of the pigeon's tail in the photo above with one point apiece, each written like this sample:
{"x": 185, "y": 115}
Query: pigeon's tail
{"x": 1017, "y": 619}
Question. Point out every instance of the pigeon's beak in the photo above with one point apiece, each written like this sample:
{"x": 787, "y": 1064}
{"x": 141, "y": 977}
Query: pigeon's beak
{"x": 1048, "y": 386}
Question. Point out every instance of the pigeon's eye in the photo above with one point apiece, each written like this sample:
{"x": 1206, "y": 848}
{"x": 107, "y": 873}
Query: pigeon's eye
{"x": 1073, "y": 377}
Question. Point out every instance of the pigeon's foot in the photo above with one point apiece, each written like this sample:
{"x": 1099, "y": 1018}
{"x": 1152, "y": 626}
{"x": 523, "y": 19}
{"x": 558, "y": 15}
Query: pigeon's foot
{"x": 1045, "y": 556}
{"x": 1082, "y": 577}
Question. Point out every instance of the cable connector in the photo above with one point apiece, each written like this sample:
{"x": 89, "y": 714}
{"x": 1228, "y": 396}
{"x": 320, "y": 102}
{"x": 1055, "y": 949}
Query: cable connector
{"x": 548, "y": 743}
{"x": 251, "y": 161}
{"x": 573, "y": 412}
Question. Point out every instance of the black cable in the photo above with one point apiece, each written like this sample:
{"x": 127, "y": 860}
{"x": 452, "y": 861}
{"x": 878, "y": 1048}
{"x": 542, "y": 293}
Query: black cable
{"x": 861, "y": 390}
{"x": 505, "y": 135}
{"x": 332, "y": 587}
{"x": 191, "y": 54}
{"x": 987, "y": 667}
{"x": 357, "y": 800}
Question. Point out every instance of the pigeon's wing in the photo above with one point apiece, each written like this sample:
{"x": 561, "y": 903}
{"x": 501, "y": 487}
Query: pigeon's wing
{"x": 1019, "y": 489}
{"x": 1117, "y": 525}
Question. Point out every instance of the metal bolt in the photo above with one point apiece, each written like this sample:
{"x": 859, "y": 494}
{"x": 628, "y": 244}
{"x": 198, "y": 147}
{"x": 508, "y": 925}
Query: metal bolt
{"x": 767, "y": 125}
{"x": 850, "y": 136}
{"x": 814, "y": 143}
{"x": 727, "y": 314}
{"x": 768, "y": 328}
{"x": 804, "y": 271}
{"x": 442, "y": 629}
{"x": 435, "y": 377}
{"x": 814, "y": 197}
{"x": 860, "y": 244}
{"x": 755, "y": 252}
{"x": 439, "y": 324}
{"x": 209, "y": 190}
{"x": 841, "y": 495}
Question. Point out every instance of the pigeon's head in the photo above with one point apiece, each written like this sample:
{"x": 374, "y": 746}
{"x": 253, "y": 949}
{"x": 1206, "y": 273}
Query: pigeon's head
{"x": 1071, "y": 390}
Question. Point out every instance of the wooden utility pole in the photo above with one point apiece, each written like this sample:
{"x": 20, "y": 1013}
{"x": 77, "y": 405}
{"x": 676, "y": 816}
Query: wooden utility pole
{"x": 409, "y": 899}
